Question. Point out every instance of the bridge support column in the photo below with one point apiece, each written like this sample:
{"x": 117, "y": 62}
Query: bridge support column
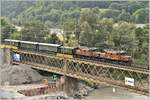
{"x": 1, "y": 63}
{"x": 7, "y": 56}
{"x": 70, "y": 85}
{"x": 1, "y": 56}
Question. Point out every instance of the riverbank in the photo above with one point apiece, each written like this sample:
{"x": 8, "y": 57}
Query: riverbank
{"x": 24, "y": 74}
{"x": 15, "y": 76}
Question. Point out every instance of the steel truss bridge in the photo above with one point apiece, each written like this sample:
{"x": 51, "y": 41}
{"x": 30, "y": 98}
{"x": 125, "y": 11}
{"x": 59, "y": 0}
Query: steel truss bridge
{"x": 85, "y": 70}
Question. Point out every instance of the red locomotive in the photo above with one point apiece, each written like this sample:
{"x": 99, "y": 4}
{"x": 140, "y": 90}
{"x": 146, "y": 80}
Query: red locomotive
{"x": 113, "y": 56}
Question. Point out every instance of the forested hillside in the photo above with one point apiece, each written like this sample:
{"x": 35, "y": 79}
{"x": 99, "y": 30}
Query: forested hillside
{"x": 12, "y": 9}
{"x": 52, "y": 13}
{"x": 98, "y": 24}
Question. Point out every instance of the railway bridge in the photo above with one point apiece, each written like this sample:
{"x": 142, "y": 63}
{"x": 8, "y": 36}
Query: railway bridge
{"x": 132, "y": 79}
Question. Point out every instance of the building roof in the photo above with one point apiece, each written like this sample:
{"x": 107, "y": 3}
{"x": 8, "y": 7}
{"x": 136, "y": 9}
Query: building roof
{"x": 139, "y": 25}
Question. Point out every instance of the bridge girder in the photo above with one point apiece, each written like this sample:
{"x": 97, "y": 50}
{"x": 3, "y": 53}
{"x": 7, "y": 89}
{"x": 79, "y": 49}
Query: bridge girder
{"x": 87, "y": 70}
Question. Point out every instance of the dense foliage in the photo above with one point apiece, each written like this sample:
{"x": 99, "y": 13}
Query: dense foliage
{"x": 12, "y": 8}
{"x": 98, "y": 24}
{"x": 53, "y": 13}
{"x": 6, "y": 28}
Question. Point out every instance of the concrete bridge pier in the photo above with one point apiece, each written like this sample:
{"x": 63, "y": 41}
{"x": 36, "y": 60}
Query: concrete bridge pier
{"x": 1, "y": 62}
{"x": 7, "y": 56}
{"x": 1, "y": 56}
{"x": 70, "y": 85}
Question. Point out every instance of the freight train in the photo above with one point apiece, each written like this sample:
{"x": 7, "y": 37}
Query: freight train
{"x": 107, "y": 55}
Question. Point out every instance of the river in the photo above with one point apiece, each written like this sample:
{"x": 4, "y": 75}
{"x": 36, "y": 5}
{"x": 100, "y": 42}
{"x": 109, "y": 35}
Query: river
{"x": 108, "y": 93}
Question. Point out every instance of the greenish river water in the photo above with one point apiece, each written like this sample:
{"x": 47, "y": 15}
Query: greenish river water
{"x": 108, "y": 93}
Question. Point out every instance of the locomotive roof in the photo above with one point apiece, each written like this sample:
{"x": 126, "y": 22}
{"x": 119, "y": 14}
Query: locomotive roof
{"x": 114, "y": 51}
{"x": 67, "y": 47}
{"x": 49, "y": 44}
{"x": 88, "y": 48}
{"x": 29, "y": 42}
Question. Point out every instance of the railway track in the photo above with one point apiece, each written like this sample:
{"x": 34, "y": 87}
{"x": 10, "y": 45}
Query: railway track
{"x": 136, "y": 67}
{"x": 133, "y": 66}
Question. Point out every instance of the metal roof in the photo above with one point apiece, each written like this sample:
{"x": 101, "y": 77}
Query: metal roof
{"x": 88, "y": 48}
{"x": 49, "y": 44}
{"x": 29, "y": 42}
{"x": 11, "y": 40}
{"x": 67, "y": 47}
{"x": 114, "y": 51}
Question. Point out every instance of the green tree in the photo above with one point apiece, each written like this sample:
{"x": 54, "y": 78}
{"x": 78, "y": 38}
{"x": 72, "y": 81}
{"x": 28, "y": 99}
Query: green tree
{"x": 110, "y": 13}
{"x": 142, "y": 38}
{"x": 54, "y": 15}
{"x": 6, "y": 29}
{"x": 15, "y": 35}
{"x": 71, "y": 29}
{"x": 86, "y": 34}
{"x": 88, "y": 23}
{"x": 52, "y": 39}
{"x": 34, "y": 31}
{"x": 124, "y": 37}
{"x": 124, "y": 16}
{"x": 141, "y": 15}
{"x": 103, "y": 36}
{"x": 132, "y": 6}
{"x": 3, "y": 21}
{"x": 116, "y": 6}
{"x": 12, "y": 9}
{"x": 89, "y": 16}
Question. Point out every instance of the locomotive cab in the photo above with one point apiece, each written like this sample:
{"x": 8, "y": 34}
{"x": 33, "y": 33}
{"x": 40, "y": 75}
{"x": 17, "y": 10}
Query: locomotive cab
{"x": 117, "y": 55}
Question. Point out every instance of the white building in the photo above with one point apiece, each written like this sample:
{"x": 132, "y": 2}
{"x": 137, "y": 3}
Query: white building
{"x": 56, "y": 31}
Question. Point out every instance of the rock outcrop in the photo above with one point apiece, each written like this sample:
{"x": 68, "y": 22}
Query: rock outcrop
{"x": 19, "y": 74}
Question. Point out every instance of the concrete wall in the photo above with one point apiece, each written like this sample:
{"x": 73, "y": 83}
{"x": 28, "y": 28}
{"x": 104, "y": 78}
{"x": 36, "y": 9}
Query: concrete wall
{"x": 70, "y": 85}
